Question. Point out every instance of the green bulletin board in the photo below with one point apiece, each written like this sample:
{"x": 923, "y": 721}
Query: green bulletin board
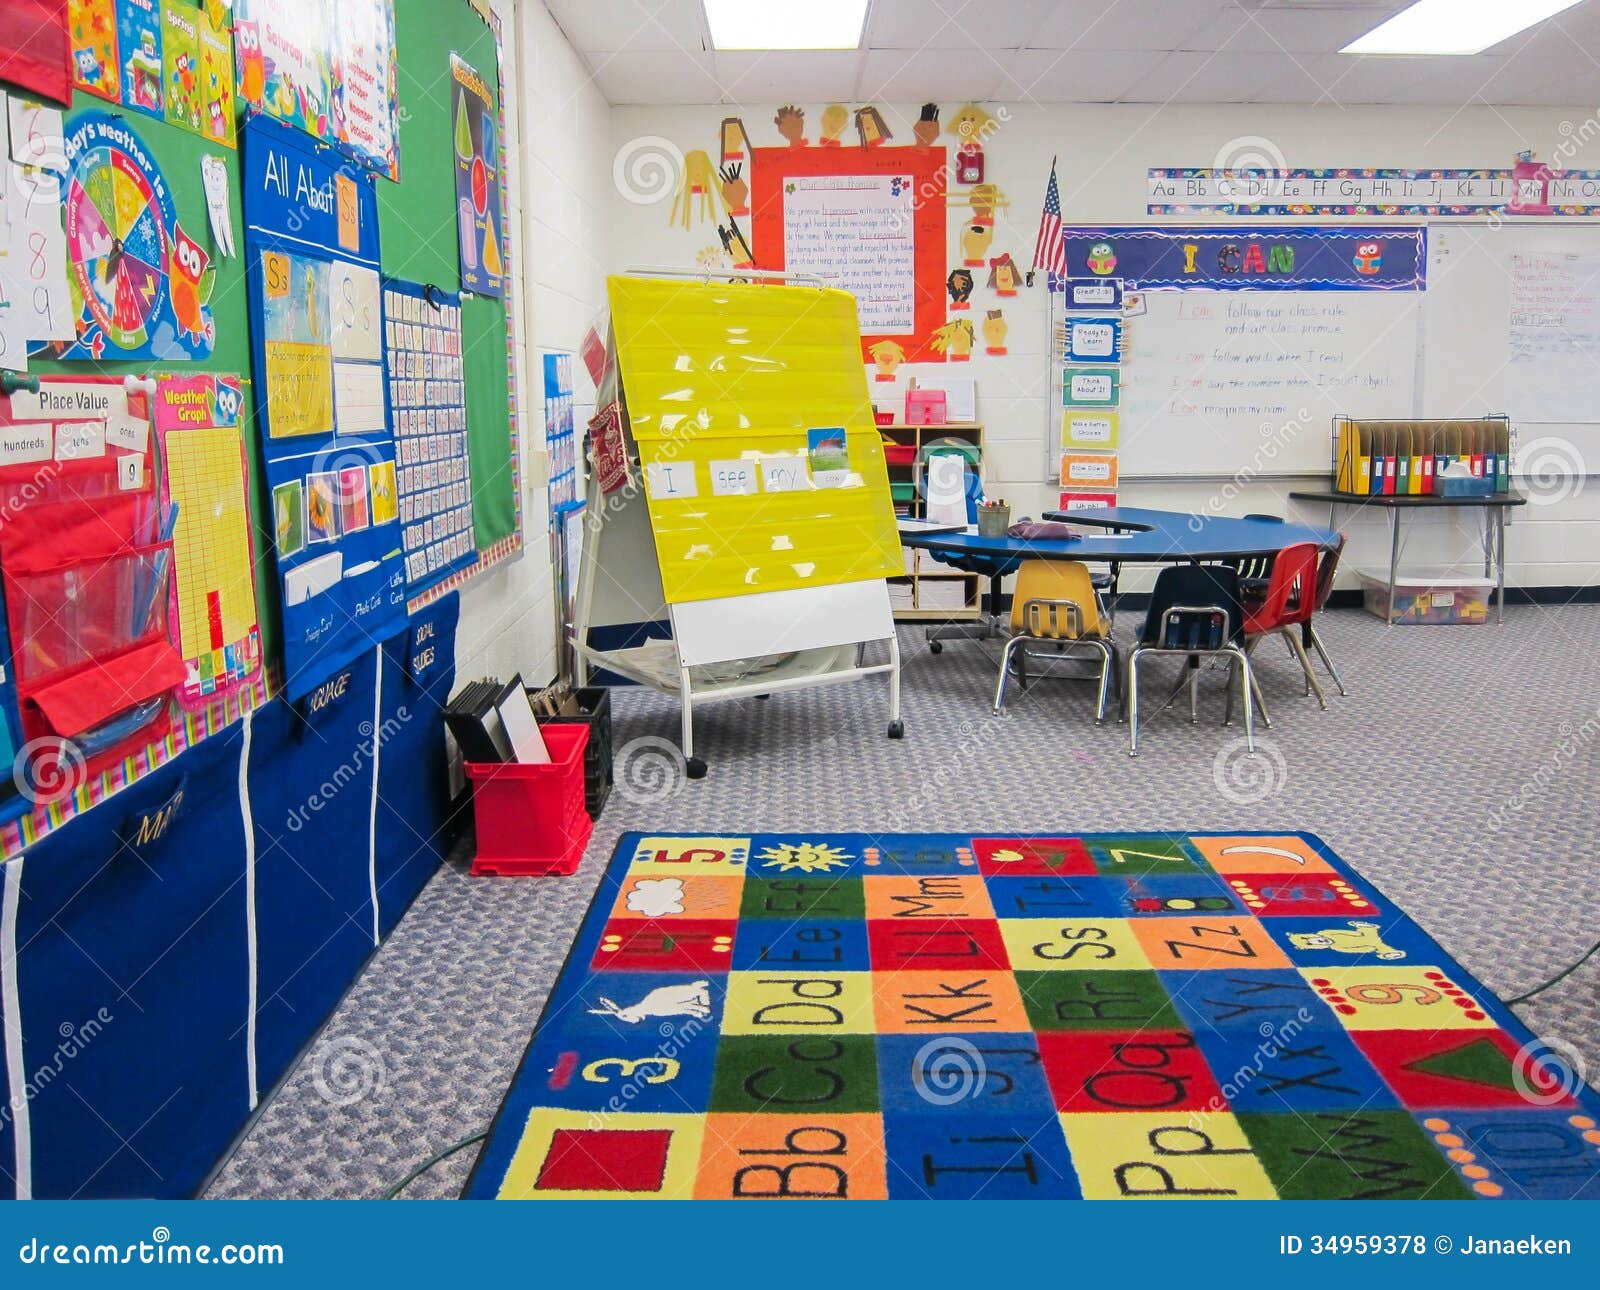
{"x": 417, "y": 233}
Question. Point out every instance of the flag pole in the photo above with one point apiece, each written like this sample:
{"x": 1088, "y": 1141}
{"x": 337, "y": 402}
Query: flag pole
{"x": 1033, "y": 269}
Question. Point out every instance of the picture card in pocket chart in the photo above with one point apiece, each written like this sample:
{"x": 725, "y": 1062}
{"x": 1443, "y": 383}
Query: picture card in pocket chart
{"x": 311, "y": 235}
{"x": 214, "y": 591}
{"x": 427, "y": 408}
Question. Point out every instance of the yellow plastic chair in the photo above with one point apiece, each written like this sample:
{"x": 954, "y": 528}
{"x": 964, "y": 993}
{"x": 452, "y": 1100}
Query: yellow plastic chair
{"x": 1054, "y": 602}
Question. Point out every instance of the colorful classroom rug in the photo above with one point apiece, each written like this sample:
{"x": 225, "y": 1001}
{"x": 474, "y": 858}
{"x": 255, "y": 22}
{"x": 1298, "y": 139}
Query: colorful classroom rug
{"x": 931, "y": 1016}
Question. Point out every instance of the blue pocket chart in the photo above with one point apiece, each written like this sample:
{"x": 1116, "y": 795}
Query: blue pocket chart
{"x": 317, "y": 329}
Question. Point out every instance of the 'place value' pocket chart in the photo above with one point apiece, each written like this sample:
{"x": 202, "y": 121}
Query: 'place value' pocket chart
{"x": 428, "y": 411}
{"x": 311, "y": 232}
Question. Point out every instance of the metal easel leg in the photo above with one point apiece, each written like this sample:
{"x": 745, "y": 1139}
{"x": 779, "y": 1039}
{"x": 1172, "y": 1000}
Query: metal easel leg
{"x": 694, "y": 767}
{"x": 896, "y": 726}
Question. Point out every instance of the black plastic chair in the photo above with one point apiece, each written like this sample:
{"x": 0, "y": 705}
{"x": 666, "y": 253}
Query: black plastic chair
{"x": 1195, "y": 611}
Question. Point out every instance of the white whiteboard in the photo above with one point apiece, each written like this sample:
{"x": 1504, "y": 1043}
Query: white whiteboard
{"x": 1215, "y": 382}
{"x": 1512, "y": 324}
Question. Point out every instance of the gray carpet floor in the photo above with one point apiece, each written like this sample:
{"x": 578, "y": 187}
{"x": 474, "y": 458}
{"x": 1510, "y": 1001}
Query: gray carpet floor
{"x": 1461, "y": 776}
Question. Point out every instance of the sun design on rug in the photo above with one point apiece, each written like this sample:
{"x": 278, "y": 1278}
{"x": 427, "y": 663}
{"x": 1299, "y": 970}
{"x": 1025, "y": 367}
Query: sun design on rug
{"x": 807, "y": 857}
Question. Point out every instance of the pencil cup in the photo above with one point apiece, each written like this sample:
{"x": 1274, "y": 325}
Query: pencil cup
{"x": 993, "y": 521}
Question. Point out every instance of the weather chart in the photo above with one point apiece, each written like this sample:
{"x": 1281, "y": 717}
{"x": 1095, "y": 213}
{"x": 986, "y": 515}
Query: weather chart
{"x": 141, "y": 283}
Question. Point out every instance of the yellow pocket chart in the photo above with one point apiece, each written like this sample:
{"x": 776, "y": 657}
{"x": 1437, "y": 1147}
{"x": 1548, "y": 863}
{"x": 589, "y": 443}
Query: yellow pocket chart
{"x": 715, "y": 373}
{"x": 1089, "y": 429}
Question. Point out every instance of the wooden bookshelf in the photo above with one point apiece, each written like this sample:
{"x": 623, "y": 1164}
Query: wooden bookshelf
{"x": 955, "y": 596}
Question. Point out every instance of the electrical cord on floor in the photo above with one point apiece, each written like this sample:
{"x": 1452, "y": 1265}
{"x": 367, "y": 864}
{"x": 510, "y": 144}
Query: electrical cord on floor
{"x": 1557, "y": 978}
{"x": 394, "y": 1192}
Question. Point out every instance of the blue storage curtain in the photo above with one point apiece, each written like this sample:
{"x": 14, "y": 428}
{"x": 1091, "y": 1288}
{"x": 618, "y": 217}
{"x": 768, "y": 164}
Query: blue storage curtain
{"x": 135, "y": 968}
{"x": 416, "y": 828}
{"x": 132, "y": 980}
{"x": 311, "y": 239}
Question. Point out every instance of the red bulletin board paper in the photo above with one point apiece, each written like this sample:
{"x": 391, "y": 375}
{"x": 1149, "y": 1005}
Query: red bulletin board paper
{"x": 34, "y": 47}
{"x": 772, "y": 166}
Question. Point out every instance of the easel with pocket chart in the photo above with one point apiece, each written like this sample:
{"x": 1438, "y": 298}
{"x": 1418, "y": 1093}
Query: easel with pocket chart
{"x": 755, "y": 521}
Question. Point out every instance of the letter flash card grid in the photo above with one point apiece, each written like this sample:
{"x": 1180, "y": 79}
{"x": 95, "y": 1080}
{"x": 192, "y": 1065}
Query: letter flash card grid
{"x": 428, "y": 410}
{"x": 952, "y": 1017}
{"x": 311, "y": 226}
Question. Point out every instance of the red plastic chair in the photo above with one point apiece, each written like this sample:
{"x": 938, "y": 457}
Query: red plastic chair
{"x": 1308, "y": 634}
{"x": 1287, "y": 605}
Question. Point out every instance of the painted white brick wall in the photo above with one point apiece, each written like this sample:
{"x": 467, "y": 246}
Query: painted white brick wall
{"x": 557, "y": 136}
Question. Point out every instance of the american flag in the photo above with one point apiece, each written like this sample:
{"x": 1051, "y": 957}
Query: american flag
{"x": 1049, "y": 252}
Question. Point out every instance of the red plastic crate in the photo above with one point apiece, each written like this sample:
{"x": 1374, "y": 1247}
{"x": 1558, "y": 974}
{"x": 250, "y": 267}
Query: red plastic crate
{"x": 531, "y": 819}
{"x": 900, "y": 454}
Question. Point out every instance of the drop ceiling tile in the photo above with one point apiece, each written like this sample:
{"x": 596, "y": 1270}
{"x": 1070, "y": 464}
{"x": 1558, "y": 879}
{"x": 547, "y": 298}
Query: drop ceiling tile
{"x": 1301, "y": 29}
{"x": 609, "y": 25}
{"x": 954, "y": 24}
{"x": 789, "y": 76}
{"x": 939, "y": 74}
{"x": 656, "y": 77}
{"x": 1159, "y": 25}
{"x": 1075, "y": 76}
{"x": 1191, "y": 77}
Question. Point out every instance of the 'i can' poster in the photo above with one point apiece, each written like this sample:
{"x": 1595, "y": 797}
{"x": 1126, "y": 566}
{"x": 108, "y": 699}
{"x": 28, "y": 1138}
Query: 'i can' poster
{"x": 477, "y": 159}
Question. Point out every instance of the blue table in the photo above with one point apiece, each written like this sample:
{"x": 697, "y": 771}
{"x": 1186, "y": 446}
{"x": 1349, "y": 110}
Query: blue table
{"x": 1132, "y": 535}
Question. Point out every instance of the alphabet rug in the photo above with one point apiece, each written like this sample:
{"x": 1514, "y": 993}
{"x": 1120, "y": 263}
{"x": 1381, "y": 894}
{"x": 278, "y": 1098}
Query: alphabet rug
{"x": 932, "y": 1016}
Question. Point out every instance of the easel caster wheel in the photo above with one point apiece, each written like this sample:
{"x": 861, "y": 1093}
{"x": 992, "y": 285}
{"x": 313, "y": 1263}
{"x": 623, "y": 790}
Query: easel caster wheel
{"x": 897, "y": 730}
{"x": 936, "y": 647}
{"x": 695, "y": 768}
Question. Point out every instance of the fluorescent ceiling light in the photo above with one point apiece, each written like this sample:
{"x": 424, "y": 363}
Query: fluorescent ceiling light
{"x": 786, "y": 24}
{"x": 1454, "y": 26}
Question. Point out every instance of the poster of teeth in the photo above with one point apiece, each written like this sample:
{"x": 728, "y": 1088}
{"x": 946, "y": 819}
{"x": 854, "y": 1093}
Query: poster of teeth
{"x": 477, "y": 158}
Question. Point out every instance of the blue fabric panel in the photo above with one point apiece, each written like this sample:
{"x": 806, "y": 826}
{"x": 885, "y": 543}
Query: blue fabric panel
{"x": 137, "y": 908}
{"x": 310, "y": 795}
{"x": 8, "y": 1141}
{"x": 415, "y": 831}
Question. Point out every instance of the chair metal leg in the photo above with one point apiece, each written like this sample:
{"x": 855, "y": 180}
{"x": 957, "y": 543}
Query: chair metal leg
{"x": 1255, "y": 686}
{"x": 1133, "y": 703}
{"x": 1305, "y": 664}
{"x": 1261, "y": 703}
{"x": 1227, "y": 705}
{"x": 1327, "y": 662}
{"x": 1194, "y": 693}
{"x": 1248, "y": 687}
{"x": 1107, "y": 666}
{"x": 1005, "y": 674}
